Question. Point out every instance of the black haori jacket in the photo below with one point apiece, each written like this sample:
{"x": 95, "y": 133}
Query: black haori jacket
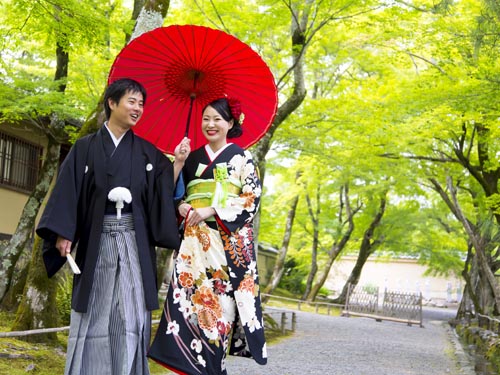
{"x": 76, "y": 207}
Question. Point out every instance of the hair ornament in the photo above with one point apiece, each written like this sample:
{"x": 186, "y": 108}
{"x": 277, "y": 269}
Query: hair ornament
{"x": 235, "y": 107}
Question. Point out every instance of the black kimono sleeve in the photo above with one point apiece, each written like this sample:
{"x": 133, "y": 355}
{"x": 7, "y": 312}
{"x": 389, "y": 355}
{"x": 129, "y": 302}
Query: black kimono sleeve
{"x": 162, "y": 218}
{"x": 60, "y": 216}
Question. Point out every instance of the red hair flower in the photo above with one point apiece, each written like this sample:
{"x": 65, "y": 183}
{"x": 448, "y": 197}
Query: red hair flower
{"x": 235, "y": 107}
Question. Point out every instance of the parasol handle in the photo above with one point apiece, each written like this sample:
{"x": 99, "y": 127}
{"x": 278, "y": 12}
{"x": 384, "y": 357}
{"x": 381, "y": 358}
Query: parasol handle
{"x": 191, "y": 100}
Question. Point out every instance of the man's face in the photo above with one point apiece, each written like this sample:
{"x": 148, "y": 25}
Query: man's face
{"x": 127, "y": 112}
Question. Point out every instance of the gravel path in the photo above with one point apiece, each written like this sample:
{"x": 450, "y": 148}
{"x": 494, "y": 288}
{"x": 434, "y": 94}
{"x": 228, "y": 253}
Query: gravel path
{"x": 326, "y": 345}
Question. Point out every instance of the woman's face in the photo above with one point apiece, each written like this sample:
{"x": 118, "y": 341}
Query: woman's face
{"x": 215, "y": 128}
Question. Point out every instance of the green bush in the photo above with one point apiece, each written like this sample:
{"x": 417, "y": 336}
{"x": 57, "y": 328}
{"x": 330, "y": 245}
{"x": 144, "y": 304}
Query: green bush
{"x": 63, "y": 298}
{"x": 370, "y": 289}
{"x": 493, "y": 355}
{"x": 293, "y": 277}
{"x": 324, "y": 292}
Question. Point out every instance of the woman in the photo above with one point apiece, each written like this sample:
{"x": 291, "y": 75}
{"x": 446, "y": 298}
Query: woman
{"x": 213, "y": 303}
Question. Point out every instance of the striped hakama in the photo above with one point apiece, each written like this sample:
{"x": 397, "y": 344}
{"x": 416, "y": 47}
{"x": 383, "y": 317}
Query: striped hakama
{"x": 112, "y": 337}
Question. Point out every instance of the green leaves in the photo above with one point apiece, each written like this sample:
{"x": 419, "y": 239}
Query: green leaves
{"x": 92, "y": 34}
{"x": 396, "y": 94}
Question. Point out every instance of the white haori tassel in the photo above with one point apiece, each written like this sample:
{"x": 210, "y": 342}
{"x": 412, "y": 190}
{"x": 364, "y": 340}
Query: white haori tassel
{"x": 119, "y": 195}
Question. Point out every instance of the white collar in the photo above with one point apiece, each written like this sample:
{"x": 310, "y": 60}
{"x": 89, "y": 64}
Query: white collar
{"x": 116, "y": 141}
{"x": 212, "y": 155}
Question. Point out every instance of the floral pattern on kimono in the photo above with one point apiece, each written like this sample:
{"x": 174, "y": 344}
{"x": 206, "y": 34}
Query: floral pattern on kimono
{"x": 213, "y": 303}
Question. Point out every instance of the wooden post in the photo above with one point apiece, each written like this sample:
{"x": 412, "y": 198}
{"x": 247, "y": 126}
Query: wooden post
{"x": 346, "y": 306}
{"x": 420, "y": 312}
{"x": 283, "y": 323}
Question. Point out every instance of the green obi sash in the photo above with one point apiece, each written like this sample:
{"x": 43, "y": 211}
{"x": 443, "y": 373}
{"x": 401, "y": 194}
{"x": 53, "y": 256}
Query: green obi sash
{"x": 213, "y": 192}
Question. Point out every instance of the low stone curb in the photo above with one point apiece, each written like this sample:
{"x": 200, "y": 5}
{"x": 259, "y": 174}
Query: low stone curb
{"x": 464, "y": 360}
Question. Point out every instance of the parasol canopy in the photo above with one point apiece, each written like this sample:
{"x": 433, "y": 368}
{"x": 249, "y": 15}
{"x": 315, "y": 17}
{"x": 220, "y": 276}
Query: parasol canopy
{"x": 185, "y": 67}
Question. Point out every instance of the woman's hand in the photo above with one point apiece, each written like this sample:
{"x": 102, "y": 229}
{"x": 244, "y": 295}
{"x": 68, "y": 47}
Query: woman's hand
{"x": 184, "y": 209}
{"x": 182, "y": 151}
{"x": 195, "y": 216}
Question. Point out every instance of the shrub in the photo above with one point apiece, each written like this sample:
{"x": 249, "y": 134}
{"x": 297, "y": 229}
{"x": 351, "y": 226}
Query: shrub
{"x": 63, "y": 297}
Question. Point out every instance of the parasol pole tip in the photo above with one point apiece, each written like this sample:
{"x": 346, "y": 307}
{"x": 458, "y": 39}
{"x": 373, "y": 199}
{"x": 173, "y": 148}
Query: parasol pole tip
{"x": 192, "y": 97}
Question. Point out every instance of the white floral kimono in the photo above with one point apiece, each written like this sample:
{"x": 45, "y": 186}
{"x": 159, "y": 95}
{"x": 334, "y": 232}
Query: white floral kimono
{"x": 213, "y": 303}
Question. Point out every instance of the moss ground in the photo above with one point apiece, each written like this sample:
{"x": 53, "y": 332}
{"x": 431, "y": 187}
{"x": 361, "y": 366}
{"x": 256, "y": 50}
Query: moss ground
{"x": 18, "y": 357}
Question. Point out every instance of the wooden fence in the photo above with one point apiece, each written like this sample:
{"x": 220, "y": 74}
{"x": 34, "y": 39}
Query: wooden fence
{"x": 286, "y": 321}
{"x": 401, "y": 307}
{"x": 490, "y": 323}
{"x": 396, "y": 306}
{"x": 300, "y": 303}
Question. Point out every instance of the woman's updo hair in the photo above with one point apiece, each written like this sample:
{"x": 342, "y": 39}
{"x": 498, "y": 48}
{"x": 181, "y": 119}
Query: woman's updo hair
{"x": 228, "y": 113}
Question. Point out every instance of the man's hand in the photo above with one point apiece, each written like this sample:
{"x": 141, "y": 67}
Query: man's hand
{"x": 63, "y": 245}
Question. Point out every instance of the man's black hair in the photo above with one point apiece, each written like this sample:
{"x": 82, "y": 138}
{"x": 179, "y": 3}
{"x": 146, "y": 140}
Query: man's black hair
{"x": 117, "y": 89}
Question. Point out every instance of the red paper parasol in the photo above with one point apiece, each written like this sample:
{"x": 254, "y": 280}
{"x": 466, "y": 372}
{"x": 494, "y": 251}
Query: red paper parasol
{"x": 183, "y": 68}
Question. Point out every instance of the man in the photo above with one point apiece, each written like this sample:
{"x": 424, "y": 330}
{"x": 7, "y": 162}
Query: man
{"x": 116, "y": 234}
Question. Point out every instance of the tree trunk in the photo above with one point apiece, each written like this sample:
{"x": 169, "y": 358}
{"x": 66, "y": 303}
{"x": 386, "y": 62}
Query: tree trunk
{"x": 337, "y": 246}
{"x": 279, "y": 266}
{"x": 367, "y": 248}
{"x": 470, "y": 275}
{"x": 163, "y": 266}
{"x": 298, "y": 47}
{"x": 260, "y": 150}
{"x": 315, "y": 245}
{"x": 14, "y": 294}
{"x": 480, "y": 243}
{"x": 353, "y": 279}
{"x": 488, "y": 179}
{"x": 323, "y": 276}
{"x": 25, "y": 317}
{"x": 38, "y": 308}
{"x": 22, "y": 236}
{"x": 150, "y": 17}
{"x": 490, "y": 284}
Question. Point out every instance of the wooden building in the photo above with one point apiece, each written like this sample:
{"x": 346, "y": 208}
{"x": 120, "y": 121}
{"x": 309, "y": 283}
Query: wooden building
{"x": 21, "y": 155}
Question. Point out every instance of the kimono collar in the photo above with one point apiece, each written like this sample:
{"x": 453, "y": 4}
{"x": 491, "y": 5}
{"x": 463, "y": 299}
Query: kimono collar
{"x": 116, "y": 141}
{"x": 212, "y": 155}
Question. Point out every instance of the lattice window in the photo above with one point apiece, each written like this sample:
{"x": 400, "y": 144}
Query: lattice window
{"x": 20, "y": 162}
